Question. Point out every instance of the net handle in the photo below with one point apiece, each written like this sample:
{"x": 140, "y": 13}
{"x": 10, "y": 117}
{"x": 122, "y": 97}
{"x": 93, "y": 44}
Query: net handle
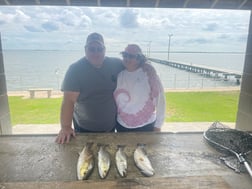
{"x": 248, "y": 168}
{"x": 245, "y": 163}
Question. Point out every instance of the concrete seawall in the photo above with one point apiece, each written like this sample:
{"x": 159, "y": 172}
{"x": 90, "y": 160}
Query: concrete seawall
{"x": 58, "y": 94}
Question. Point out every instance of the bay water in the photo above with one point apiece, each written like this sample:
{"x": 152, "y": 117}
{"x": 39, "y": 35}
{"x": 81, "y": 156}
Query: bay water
{"x": 26, "y": 69}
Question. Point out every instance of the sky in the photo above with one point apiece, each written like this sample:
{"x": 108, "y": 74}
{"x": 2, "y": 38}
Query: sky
{"x": 66, "y": 28}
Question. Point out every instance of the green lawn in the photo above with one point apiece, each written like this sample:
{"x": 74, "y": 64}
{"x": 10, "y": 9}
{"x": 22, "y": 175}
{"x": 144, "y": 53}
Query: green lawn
{"x": 180, "y": 107}
{"x": 201, "y": 106}
{"x": 34, "y": 111}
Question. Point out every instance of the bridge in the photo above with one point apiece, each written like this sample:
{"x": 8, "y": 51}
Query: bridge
{"x": 202, "y": 69}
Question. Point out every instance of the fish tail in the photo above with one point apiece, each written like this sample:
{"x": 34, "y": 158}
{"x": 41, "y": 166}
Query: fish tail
{"x": 121, "y": 146}
{"x": 89, "y": 144}
{"x": 99, "y": 144}
{"x": 102, "y": 145}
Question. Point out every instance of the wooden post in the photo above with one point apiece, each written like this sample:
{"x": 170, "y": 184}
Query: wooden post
{"x": 5, "y": 123}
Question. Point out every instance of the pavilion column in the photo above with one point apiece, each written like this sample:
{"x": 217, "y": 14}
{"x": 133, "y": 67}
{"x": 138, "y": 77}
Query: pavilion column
{"x": 244, "y": 114}
{"x": 5, "y": 123}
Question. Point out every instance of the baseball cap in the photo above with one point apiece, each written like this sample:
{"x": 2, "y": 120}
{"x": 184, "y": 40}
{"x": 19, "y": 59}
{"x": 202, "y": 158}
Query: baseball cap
{"x": 95, "y": 37}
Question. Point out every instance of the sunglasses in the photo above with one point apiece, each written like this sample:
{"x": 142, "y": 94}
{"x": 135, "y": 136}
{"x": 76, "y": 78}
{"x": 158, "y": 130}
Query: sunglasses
{"x": 129, "y": 56}
{"x": 95, "y": 49}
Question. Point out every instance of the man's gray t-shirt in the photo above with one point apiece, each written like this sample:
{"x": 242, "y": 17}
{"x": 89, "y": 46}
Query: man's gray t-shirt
{"x": 95, "y": 109}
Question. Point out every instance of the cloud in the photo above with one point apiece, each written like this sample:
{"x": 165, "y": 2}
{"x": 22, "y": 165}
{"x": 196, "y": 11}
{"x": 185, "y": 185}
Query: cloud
{"x": 223, "y": 36}
{"x": 73, "y": 17}
{"x": 128, "y": 18}
{"x": 20, "y": 16}
{"x": 210, "y": 27}
{"x": 69, "y": 18}
{"x": 30, "y": 28}
{"x": 2, "y": 22}
{"x": 50, "y": 26}
{"x": 46, "y": 26}
{"x": 85, "y": 22}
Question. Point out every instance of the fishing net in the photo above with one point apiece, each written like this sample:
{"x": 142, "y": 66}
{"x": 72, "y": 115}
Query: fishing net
{"x": 232, "y": 142}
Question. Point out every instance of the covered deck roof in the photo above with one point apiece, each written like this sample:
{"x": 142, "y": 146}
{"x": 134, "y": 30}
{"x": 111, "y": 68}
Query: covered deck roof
{"x": 201, "y": 4}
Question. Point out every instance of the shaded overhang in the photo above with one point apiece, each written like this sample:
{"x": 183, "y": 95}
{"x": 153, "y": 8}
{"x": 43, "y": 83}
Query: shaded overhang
{"x": 200, "y": 4}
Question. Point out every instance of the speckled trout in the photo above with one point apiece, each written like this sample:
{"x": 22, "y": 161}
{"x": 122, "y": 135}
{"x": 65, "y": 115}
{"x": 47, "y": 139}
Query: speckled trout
{"x": 121, "y": 161}
{"x": 103, "y": 161}
{"x": 142, "y": 161}
{"x": 85, "y": 162}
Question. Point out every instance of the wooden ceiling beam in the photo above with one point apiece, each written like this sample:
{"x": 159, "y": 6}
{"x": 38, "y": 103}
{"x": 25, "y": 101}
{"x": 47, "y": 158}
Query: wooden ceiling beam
{"x": 214, "y": 4}
{"x": 242, "y": 4}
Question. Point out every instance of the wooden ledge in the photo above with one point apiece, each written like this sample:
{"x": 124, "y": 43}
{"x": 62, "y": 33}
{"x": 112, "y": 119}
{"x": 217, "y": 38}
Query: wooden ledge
{"x": 187, "y": 182}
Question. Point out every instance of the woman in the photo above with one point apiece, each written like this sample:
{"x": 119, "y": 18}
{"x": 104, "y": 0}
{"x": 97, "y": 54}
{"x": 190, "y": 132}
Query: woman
{"x": 139, "y": 94}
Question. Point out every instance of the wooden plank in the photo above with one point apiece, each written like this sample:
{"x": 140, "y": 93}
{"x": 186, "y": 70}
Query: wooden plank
{"x": 191, "y": 182}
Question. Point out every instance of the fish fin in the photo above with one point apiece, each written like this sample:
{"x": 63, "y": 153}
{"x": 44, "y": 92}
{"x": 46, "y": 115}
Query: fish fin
{"x": 142, "y": 146}
{"x": 90, "y": 156}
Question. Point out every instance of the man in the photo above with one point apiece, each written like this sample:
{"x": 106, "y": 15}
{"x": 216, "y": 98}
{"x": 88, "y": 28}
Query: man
{"x": 88, "y": 92}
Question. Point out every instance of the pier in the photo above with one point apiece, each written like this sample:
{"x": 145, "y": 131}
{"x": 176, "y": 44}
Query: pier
{"x": 206, "y": 71}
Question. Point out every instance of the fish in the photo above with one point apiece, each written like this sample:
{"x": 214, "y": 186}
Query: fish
{"x": 85, "y": 162}
{"x": 103, "y": 161}
{"x": 121, "y": 161}
{"x": 142, "y": 161}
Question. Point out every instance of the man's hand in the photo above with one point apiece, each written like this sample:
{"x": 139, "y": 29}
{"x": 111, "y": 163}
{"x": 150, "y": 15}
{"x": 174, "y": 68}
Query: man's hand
{"x": 65, "y": 135}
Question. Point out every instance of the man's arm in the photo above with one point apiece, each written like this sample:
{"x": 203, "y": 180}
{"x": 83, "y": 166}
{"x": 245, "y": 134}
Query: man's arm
{"x": 66, "y": 117}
